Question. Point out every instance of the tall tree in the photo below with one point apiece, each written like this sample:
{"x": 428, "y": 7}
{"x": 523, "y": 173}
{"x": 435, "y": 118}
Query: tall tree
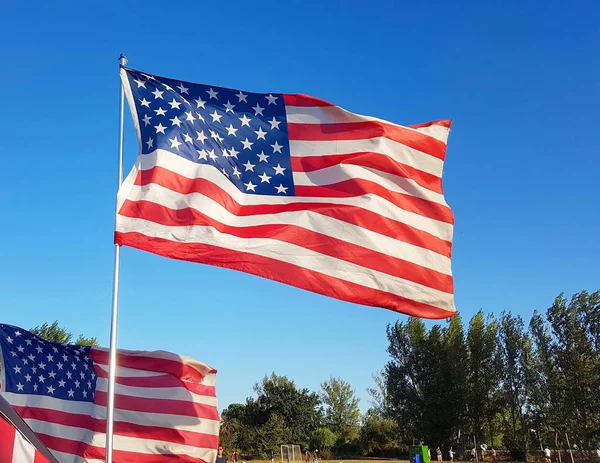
{"x": 342, "y": 414}
{"x": 56, "y": 333}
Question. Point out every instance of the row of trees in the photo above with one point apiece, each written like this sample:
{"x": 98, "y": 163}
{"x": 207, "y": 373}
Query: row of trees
{"x": 502, "y": 381}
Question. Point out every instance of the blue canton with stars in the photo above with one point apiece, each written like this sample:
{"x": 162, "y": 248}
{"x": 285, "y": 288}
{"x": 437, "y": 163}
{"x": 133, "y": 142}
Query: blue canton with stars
{"x": 35, "y": 366}
{"x": 243, "y": 134}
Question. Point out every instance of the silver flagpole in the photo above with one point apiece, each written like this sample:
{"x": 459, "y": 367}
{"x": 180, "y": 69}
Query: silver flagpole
{"x": 112, "y": 373}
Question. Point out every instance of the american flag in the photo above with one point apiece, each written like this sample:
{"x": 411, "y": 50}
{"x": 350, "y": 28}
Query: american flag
{"x": 291, "y": 188}
{"x": 14, "y": 448}
{"x": 165, "y": 404}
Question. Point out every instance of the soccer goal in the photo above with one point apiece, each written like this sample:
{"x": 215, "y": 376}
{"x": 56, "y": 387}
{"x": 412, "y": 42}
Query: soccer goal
{"x": 291, "y": 454}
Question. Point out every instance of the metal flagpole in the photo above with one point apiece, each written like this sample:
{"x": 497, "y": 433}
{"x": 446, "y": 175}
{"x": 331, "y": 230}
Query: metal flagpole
{"x": 110, "y": 411}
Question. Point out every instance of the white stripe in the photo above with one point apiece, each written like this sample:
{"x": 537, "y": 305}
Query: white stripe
{"x": 181, "y": 422}
{"x": 125, "y": 443}
{"x": 336, "y": 115}
{"x": 23, "y": 451}
{"x": 343, "y": 172}
{"x": 122, "y": 372}
{"x": 308, "y": 220}
{"x": 292, "y": 254}
{"x": 371, "y": 203}
{"x": 173, "y": 393}
{"x": 381, "y": 145}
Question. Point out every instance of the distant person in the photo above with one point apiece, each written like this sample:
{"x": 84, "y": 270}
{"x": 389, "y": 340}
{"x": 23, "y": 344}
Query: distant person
{"x": 494, "y": 454}
{"x": 307, "y": 456}
{"x": 547, "y": 454}
{"x": 473, "y": 454}
{"x": 316, "y": 457}
{"x": 220, "y": 457}
{"x": 428, "y": 452}
{"x": 287, "y": 457}
{"x": 598, "y": 452}
{"x": 451, "y": 455}
{"x": 272, "y": 457}
{"x": 233, "y": 457}
{"x": 438, "y": 451}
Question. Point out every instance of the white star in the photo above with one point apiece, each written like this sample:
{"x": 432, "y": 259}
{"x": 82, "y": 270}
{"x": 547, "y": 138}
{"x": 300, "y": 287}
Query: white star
{"x": 258, "y": 110}
{"x": 89, "y": 383}
{"x": 14, "y": 354}
{"x": 85, "y": 394}
{"x": 274, "y": 123}
{"x": 85, "y": 365}
{"x": 157, "y": 94}
{"x": 281, "y": 188}
{"x": 160, "y": 128}
{"x": 231, "y": 130}
{"x": 21, "y": 349}
{"x": 42, "y": 365}
{"x": 150, "y": 143}
{"x": 182, "y": 89}
{"x": 175, "y": 121}
{"x": 145, "y": 102}
{"x": 69, "y": 375}
{"x": 74, "y": 366}
{"x": 216, "y": 117}
{"x": 175, "y": 104}
{"x": 20, "y": 387}
{"x": 249, "y": 166}
{"x": 260, "y": 133}
{"x": 175, "y": 143}
{"x": 250, "y": 186}
{"x": 31, "y": 357}
{"x": 149, "y": 77}
{"x": 61, "y": 383}
{"x": 140, "y": 83}
{"x": 77, "y": 383}
{"x": 202, "y": 154}
{"x": 190, "y": 117}
{"x": 201, "y": 136}
{"x": 39, "y": 349}
{"x": 279, "y": 170}
{"x": 34, "y": 369}
{"x": 200, "y": 116}
{"x": 264, "y": 178}
{"x": 41, "y": 379}
{"x": 65, "y": 358}
{"x": 59, "y": 365}
{"x": 18, "y": 333}
{"x": 51, "y": 374}
{"x": 245, "y": 120}
{"x": 187, "y": 138}
{"x": 146, "y": 120}
{"x": 236, "y": 172}
{"x": 93, "y": 375}
{"x": 160, "y": 111}
{"x": 229, "y": 107}
{"x": 263, "y": 157}
{"x": 200, "y": 103}
{"x": 50, "y": 390}
{"x": 10, "y": 340}
{"x": 233, "y": 153}
{"x": 35, "y": 386}
{"x": 71, "y": 392}
{"x": 167, "y": 87}
{"x": 28, "y": 342}
{"x": 225, "y": 172}
{"x": 216, "y": 136}
{"x": 28, "y": 378}
{"x": 241, "y": 97}
{"x": 247, "y": 144}
{"x": 212, "y": 155}
{"x": 82, "y": 375}
{"x": 212, "y": 94}
{"x": 17, "y": 369}
{"x": 272, "y": 99}
{"x": 54, "y": 349}
{"x": 25, "y": 361}
{"x": 276, "y": 147}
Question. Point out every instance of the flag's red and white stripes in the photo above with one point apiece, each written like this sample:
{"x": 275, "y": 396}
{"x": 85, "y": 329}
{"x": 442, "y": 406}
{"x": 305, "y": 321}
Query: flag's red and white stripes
{"x": 368, "y": 224}
{"x": 165, "y": 411}
{"x": 14, "y": 448}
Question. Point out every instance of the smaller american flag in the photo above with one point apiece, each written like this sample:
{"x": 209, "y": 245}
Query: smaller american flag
{"x": 14, "y": 448}
{"x": 165, "y": 404}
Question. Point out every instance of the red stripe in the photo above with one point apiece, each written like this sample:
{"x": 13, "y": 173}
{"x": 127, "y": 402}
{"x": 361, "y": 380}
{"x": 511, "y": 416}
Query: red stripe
{"x": 164, "y": 406}
{"x": 376, "y": 161}
{"x": 358, "y": 187}
{"x": 283, "y": 272}
{"x": 150, "y": 363}
{"x": 160, "y": 382}
{"x": 443, "y": 123}
{"x": 368, "y": 129}
{"x": 304, "y": 100}
{"x": 92, "y": 452}
{"x": 347, "y": 213}
{"x": 7, "y": 441}
{"x": 308, "y": 239}
{"x": 39, "y": 458}
{"x": 121, "y": 428}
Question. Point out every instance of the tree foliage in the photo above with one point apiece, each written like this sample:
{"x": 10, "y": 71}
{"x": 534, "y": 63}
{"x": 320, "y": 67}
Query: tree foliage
{"x": 342, "y": 413}
{"x": 55, "y": 333}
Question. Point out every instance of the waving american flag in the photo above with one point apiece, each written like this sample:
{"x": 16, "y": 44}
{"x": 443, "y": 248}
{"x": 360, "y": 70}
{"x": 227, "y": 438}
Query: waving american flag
{"x": 165, "y": 404}
{"x": 291, "y": 188}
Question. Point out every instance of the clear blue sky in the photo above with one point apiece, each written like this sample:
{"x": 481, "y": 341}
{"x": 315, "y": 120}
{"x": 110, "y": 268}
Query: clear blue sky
{"x": 519, "y": 79}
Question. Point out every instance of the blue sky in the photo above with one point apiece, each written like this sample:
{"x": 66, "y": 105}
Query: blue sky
{"x": 520, "y": 82}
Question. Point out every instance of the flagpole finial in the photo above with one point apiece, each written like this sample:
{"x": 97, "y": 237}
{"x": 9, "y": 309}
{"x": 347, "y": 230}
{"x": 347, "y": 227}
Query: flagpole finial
{"x": 123, "y": 59}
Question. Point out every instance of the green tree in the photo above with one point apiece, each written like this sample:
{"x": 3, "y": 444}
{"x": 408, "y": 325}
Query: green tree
{"x": 56, "y": 333}
{"x": 342, "y": 414}
{"x": 378, "y": 435}
{"x": 323, "y": 439}
{"x": 380, "y": 401}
